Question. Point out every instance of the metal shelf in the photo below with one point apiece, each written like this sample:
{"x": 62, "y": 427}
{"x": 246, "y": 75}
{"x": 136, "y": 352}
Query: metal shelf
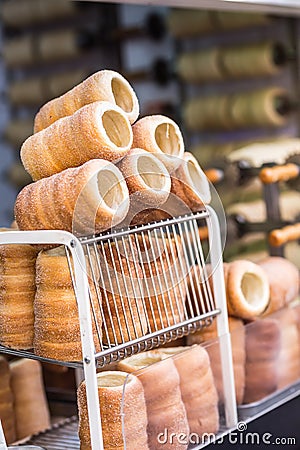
{"x": 280, "y": 7}
{"x": 30, "y": 355}
{"x": 160, "y": 256}
{"x": 252, "y": 411}
{"x": 62, "y": 436}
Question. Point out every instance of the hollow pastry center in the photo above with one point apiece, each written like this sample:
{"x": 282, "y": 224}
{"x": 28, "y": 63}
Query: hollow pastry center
{"x": 167, "y": 139}
{"x": 279, "y": 55}
{"x": 110, "y": 188}
{"x": 58, "y": 251}
{"x": 252, "y": 288}
{"x": 151, "y": 172}
{"x": 145, "y": 360}
{"x": 110, "y": 380}
{"x": 122, "y": 95}
{"x": 116, "y": 128}
{"x": 282, "y": 105}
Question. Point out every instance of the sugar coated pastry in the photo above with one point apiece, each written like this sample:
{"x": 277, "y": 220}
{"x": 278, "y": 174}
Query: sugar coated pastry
{"x": 162, "y": 136}
{"x": 98, "y": 130}
{"x": 197, "y": 386}
{"x": 238, "y": 337}
{"x": 105, "y": 85}
{"x": 56, "y": 325}
{"x": 87, "y": 199}
{"x": 120, "y": 284}
{"x": 7, "y": 415}
{"x": 283, "y": 277}
{"x": 123, "y": 412}
{"x": 30, "y": 403}
{"x": 17, "y": 290}
{"x": 147, "y": 178}
{"x": 247, "y": 290}
{"x": 165, "y": 408}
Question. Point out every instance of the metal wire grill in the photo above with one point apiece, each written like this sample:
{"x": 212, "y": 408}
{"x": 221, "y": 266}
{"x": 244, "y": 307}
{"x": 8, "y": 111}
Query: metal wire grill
{"x": 142, "y": 287}
{"x": 62, "y": 436}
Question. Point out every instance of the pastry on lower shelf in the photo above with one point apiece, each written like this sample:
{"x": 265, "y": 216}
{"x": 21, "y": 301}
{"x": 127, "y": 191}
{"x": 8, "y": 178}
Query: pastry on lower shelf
{"x": 238, "y": 336}
{"x": 197, "y": 387}
{"x": 123, "y": 412}
{"x": 284, "y": 282}
{"x": 17, "y": 290}
{"x": 30, "y": 403}
{"x": 85, "y": 200}
{"x": 7, "y": 415}
{"x": 247, "y": 290}
{"x": 105, "y": 85}
{"x": 288, "y": 358}
{"x": 165, "y": 408}
{"x": 56, "y": 325}
{"x": 102, "y": 132}
{"x": 120, "y": 284}
{"x": 163, "y": 269}
{"x": 263, "y": 341}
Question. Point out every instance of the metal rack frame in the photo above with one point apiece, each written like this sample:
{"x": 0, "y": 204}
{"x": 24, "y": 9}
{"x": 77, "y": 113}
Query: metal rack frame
{"x": 78, "y": 250}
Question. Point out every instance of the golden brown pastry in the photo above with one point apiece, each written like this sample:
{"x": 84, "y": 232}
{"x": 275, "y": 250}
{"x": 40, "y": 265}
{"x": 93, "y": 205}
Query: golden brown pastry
{"x": 162, "y": 136}
{"x": 200, "y": 298}
{"x": 114, "y": 409}
{"x": 263, "y": 341}
{"x": 207, "y": 113}
{"x": 283, "y": 277}
{"x": 163, "y": 276}
{"x": 190, "y": 184}
{"x": 120, "y": 284}
{"x": 18, "y": 13}
{"x": 237, "y": 336}
{"x": 87, "y": 199}
{"x": 106, "y": 85}
{"x": 165, "y": 408}
{"x": 247, "y": 290}
{"x": 17, "y": 290}
{"x": 56, "y": 325}
{"x": 251, "y": 60}
{"x": 190, "y": 191}
{"x": 258, "y": 108}
{"x": 98, "y": 130}
{"x": 7, "y": 415}
{"x": 30, "y": 404}
{"x": 190, "y": 22}
{"x": 200, "y": 65}
{"x": 288, "y": 358}
{"x": 197, "y": 387}
{"x": 147, "y": 179}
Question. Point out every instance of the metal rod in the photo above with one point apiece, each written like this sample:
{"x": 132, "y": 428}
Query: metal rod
{"x": 150, "y": 226}
{"x": 158, "y": 333}
{"x": 222, "y": 320}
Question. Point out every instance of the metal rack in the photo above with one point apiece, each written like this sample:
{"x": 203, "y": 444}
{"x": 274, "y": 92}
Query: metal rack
{"x": 134, "y": 291}
{"x": 61, "y": 436}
